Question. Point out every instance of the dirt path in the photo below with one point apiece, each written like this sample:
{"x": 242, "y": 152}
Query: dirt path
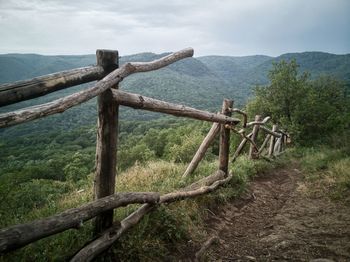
{"x": 276, "y": 221}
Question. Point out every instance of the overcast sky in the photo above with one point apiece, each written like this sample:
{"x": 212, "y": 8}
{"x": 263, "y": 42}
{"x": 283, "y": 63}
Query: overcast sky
{"x": 226, "y": 27}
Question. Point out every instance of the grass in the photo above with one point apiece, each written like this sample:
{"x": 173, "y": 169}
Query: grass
{"x": 326, "y": 171}
{"x": 159, "y": 234}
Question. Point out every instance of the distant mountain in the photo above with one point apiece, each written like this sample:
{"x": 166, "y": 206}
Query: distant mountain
{"x": 15, "y": 67}
{"x": 199, "y": 82}
{"x": 236, "y": 71}
{"x": 242, "y": 73}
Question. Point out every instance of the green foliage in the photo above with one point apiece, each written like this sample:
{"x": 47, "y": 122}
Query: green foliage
{"x": 200, "y": 82}
{"x": 159, "y": 233}
{"x": 177, "y": 143}
{"x": 183, "y": 150}
{"x": 139, "y": 153}
{"x": 280, "y": 99}
{"x": 326, "y": 170}
{"x": 311, "y": 110}
{"x": 42, "y": 170}
{"x": 325, "y": 109}
{"x": 77, "y": 168}
{"x": 18, "y": 199}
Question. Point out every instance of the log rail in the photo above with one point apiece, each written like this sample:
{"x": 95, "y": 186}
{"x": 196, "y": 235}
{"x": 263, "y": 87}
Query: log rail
{"x": 109, "y": 74}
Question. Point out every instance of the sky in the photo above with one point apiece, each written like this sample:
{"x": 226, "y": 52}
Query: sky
{"x": 211, "y": 27}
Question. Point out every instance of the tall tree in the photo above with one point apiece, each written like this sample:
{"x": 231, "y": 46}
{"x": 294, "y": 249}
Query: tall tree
{"x": 309, "y": 109}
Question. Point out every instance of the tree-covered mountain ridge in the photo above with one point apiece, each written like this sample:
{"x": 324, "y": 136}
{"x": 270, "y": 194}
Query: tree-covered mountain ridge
{"x": 207, "y": 76}
{"x": 200, "y": 82}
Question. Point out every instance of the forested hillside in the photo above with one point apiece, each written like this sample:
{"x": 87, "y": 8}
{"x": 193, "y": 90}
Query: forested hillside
{"x": 47, "y": 165}
{"x": 208, "y": 74}
{"x": 199, "y": 82}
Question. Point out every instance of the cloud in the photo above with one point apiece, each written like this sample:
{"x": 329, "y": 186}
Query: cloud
{"x": 210, "y": 26}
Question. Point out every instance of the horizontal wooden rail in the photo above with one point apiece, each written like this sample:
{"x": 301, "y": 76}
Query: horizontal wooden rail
{"x": 112, "y": 79}
{"x": 283, "y": 132}
{"x": 20, "y": 235}
{"x": 270, "y": 131}
{"x": 93, "y": 249}
{"x": 263, "y": 122}
{"x": 245, "y": 116}
{"x": 142, "y": 102}
{"x": 27, "y": 89}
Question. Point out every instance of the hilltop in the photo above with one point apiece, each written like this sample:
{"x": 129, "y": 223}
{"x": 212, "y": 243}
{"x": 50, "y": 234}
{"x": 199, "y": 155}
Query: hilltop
{"x": 204, "y": 76}
{"x": 200, "y": 82}
{"x": 45, "y": 170}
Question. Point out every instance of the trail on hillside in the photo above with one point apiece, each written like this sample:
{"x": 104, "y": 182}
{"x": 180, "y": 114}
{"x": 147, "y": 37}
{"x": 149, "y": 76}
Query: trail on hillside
{"x": 275, "y": 221}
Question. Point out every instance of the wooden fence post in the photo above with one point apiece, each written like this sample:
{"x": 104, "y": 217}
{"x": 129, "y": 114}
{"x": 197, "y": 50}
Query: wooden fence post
{"x": 252, "y": 151}
{"x": 272, "y": 141}
{"x": 277, "y": 148}
{"x": 282, "y": 143}
{"x": 106, "y": 144}
{"x": 225, "y": 138}
{"x": 267, "y": 138}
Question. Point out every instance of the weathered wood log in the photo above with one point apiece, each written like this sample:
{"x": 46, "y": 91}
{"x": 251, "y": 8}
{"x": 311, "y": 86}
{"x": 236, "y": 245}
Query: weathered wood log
{"x": 97, "y": 246}
{"x": 199, "y": 255}
{"x": 180, "y": 195}
{"x": 146, "y": 103}
{"x": 284, "y": 139}
{"x": 266, "y": 119}
{"x": 112, "y": 79}
{"x": 106, "y": 142}
{"x": 206, "y": 181}
{"x": 240, "y": 147}
{"x": 261, "y": 122}
{"x": 245, "y": 116}
{"x": 264, "y": 144}
{"x": 283, "y": 132}
{"x": 253, "y": 152}
{"x": 11, "y": 93}
{"x": 224, "y": 146}
{"x": 20, "y": 235}
{"x": 106, "y": 240}
{"x": 271, "y": 132}
{"x": 278, "y": 148}
{"x": 281, "y": 143}
{"x": 252, "y": 143}
{"x": 214, "y": 130}
{"x": 272, "y": 141}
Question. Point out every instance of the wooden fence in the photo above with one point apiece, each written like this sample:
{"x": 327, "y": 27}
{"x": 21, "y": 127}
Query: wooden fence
{"x": 109, "y": 74}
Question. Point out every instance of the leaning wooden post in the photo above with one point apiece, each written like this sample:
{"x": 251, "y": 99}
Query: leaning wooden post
{"x": 240, "y": 147}
{"x": 202, "y": 149}
{"x": 282, "y": 143}
{"x": 252, "y": 151}
{"x": 106, "y": 144}
{"x": 277, "y": 149}
{"x": 272, "y": 141}
{"x": 264, "y": 144}
{"x": 225, "y": 138}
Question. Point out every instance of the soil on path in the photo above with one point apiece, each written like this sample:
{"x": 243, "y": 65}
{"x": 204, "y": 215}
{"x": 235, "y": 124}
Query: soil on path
{"x": 276, "y": 221}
